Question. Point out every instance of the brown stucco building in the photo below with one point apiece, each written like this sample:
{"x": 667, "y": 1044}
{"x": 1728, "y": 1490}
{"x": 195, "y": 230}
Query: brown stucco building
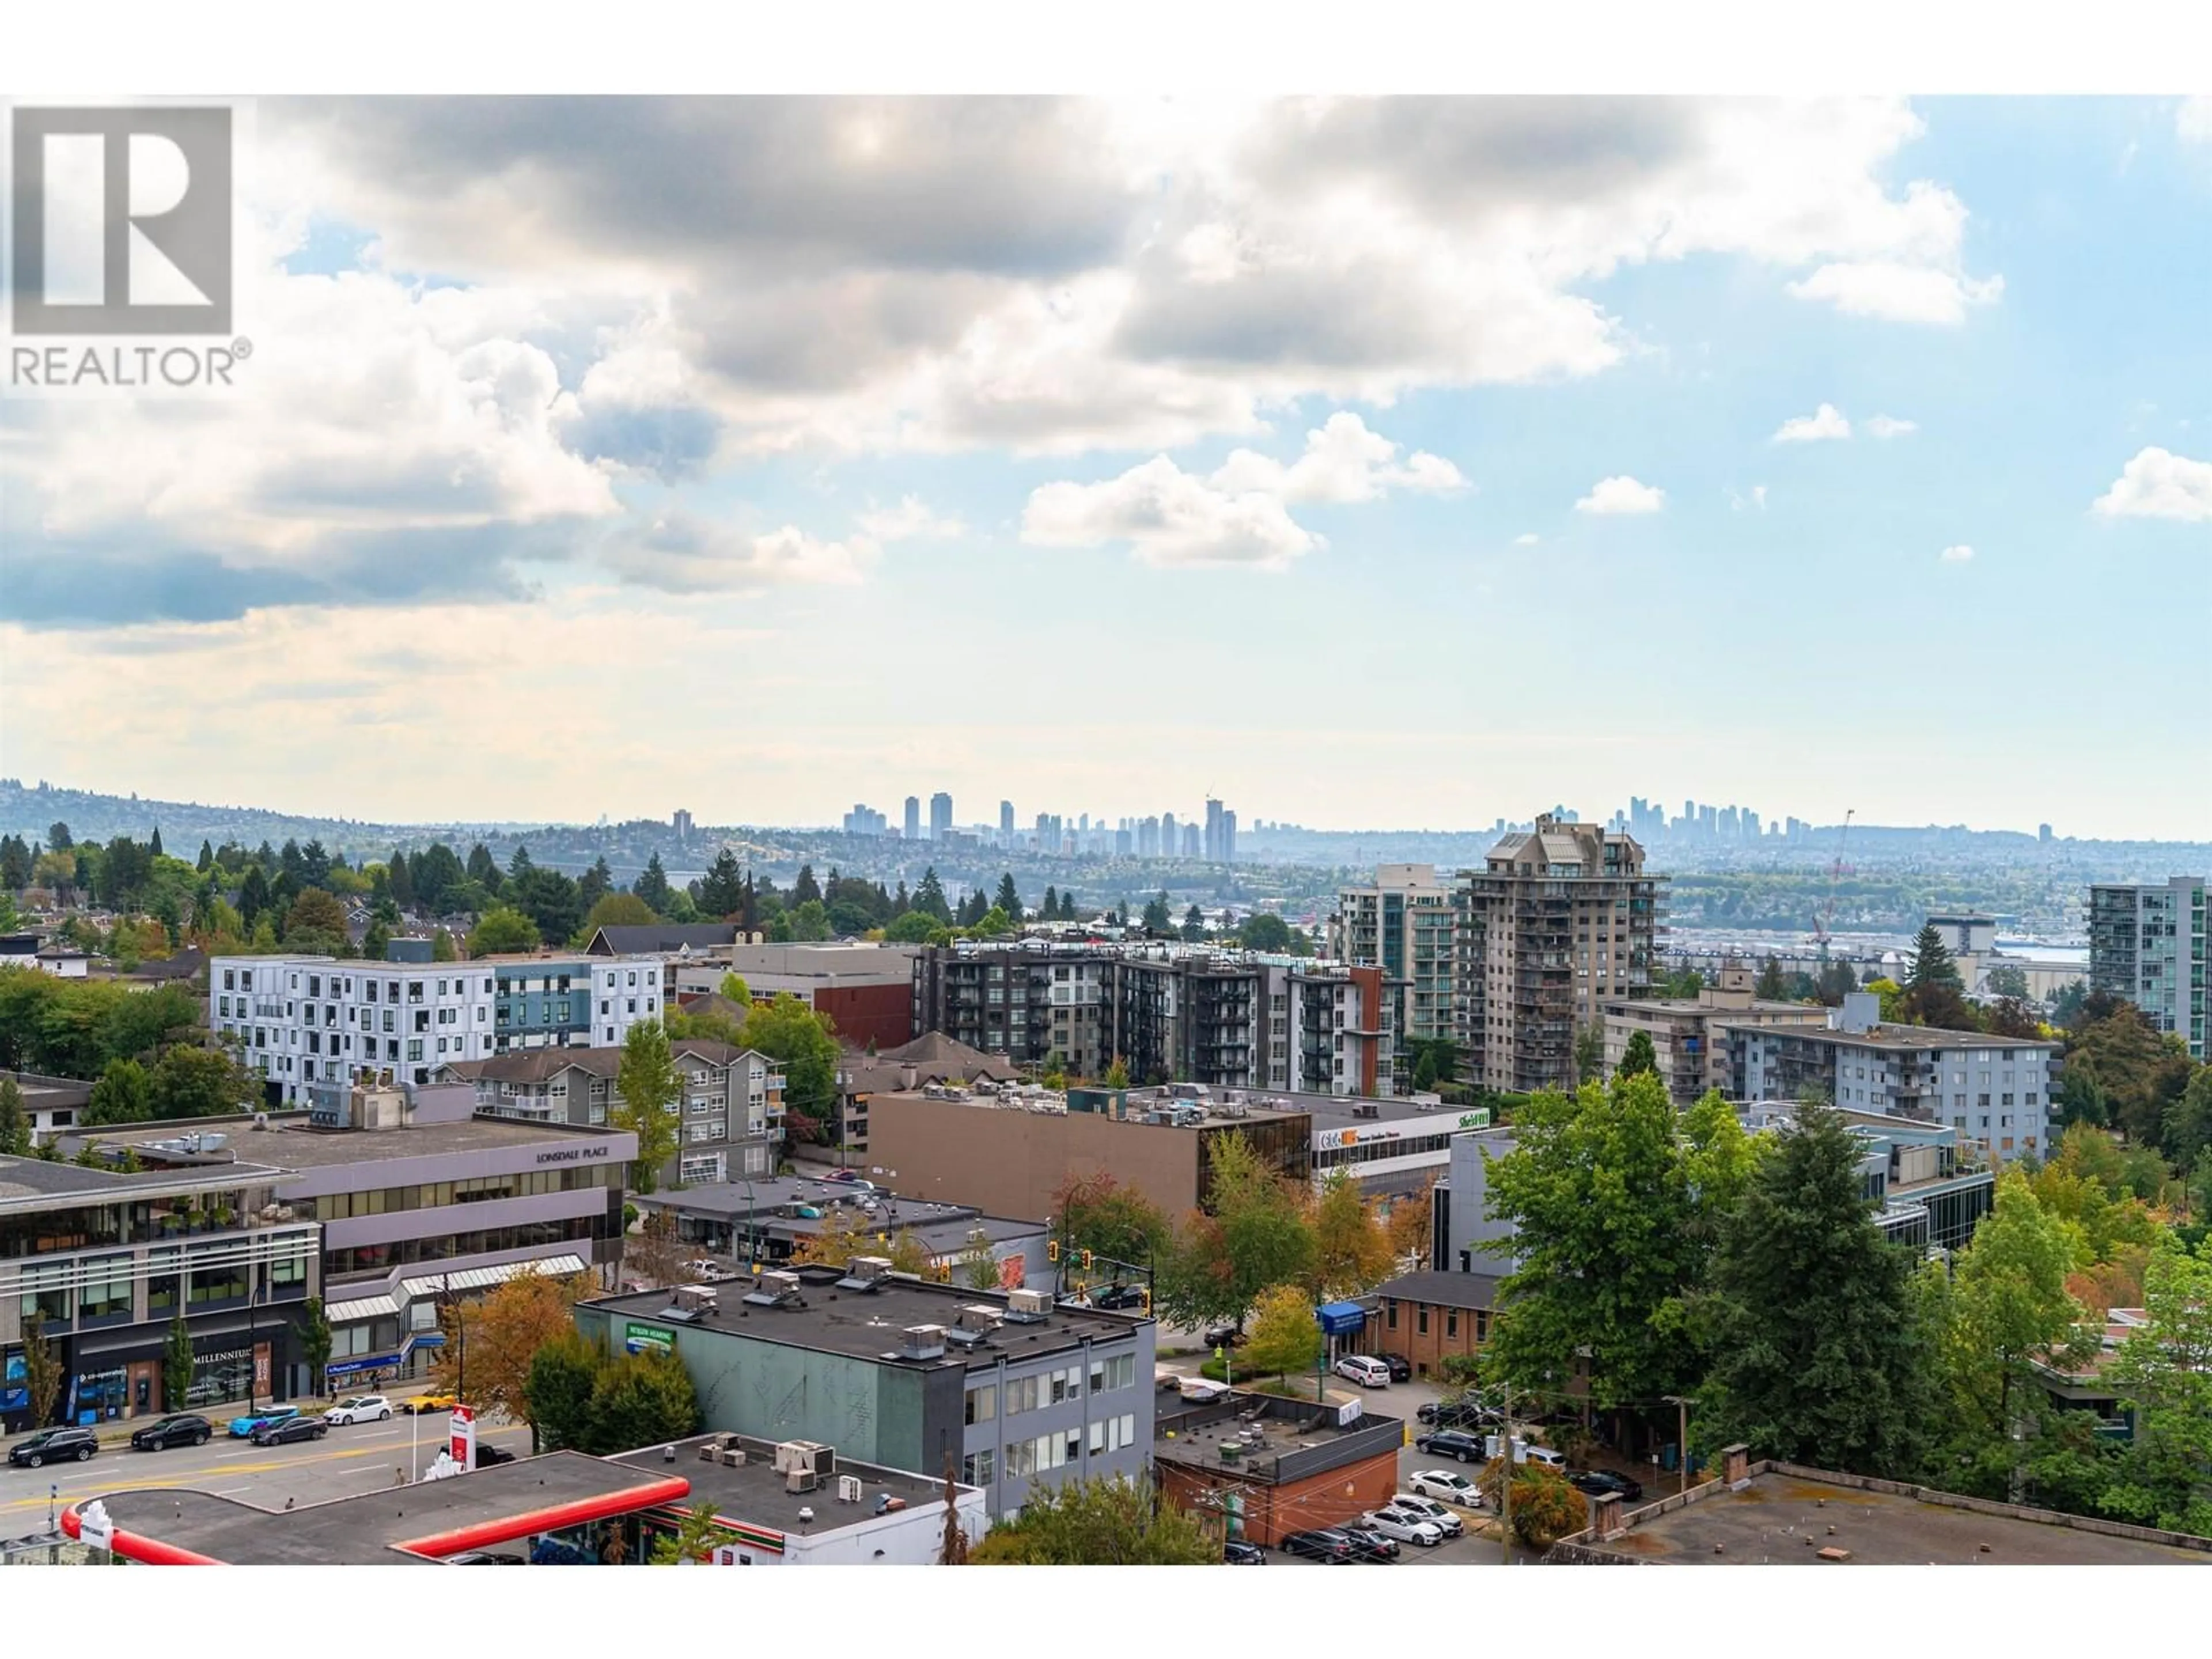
{"x": 1009, "y": 1154}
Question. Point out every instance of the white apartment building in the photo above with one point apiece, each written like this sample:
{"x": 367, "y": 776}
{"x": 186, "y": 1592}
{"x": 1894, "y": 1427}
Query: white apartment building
{"x": 1405, "y": 923}
{"x": 302, "y": 1020}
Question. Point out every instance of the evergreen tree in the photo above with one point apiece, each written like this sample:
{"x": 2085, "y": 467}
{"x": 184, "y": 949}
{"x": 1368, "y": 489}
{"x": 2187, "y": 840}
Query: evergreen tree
{"x": 1821, "y": 1359}
{"x": 722, "y": 891}
{"x": 1158, "y": 922}
{"x": 1050, "y": 910}
{"x": 400, "y": 880}
{"x": 14, "y": 1121}
{"x": 207, "y": 857}
{"x": 59, "y": 839}
{"x": 805, "y": 888}
{"x": 1009, "y": 900}
{"x": 1639, "y": 1055}
{"x": 595, "y": 885}
{"x": 483, "y": 869}
{"x": 1067, "y": 905}
{"x": 154, "y": 845}
{"x": 929, "y": 897}
{"x": 1934, "y": 993}
{"x": 652, "y": 886}
{"x": 1772, "y": 988}
{"x": 1194, "y": 924}
{"x": 376, "y": 942}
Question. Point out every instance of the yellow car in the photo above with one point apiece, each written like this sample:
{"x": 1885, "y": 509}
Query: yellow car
{"x": 430, "y": 1402}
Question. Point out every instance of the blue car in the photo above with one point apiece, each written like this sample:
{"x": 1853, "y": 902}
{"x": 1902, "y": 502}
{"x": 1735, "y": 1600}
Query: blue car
{"x": 242, "y": 1428}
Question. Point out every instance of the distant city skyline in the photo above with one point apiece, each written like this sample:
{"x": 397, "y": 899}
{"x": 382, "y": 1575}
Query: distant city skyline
{"x": 1407, "y": 461}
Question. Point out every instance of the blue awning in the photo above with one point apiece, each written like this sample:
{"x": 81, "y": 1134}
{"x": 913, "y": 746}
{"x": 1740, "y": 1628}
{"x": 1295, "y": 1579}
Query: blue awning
{"x": 1340, "y": 1318}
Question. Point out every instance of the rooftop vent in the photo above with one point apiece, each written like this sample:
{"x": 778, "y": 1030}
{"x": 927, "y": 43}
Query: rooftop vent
{"x": 972, "y": 1324}
{"x": 1027, "y": 1307}
{"x": 922, "y": 1342}
{"x": 777, "y": 1290}
{"x": 864, "y": 1272}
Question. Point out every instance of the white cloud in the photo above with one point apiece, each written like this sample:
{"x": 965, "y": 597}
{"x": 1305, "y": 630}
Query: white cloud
{"x": 1889, "y": 426}
{"x": 1956, "y": 555}
{"x": 2160, "y": 484}
{"x": 908, "y": 520}
{"x": 1170, "y": 517}
{"x": 1343, "y": 462}
{"x": 1824, "y": 423}
{"x": 1622, "y": 494}
{"x": 2192, "y": 121}
{"x": 1238, "y": 515}
{"x": 1527, "y": 539}
{"x": 1755, "y": 501}
{"x": 1898, "y": 293}
{"x": 677, "y": 553}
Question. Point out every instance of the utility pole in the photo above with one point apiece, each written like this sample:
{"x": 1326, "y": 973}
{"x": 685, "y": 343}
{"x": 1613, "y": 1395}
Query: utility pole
{"x": 1682, "y": 1439}
{"x": 1506, "y": 1485}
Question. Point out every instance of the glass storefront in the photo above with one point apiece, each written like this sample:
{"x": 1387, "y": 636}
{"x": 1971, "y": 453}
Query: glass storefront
{"x": 98, "y": 1396}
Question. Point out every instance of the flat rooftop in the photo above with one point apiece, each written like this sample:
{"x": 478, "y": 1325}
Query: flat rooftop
{"x": 290, "y": 1142}
{"x": 1900, "y": 1037}
{"x": 766, "y": 1195}
{"x": 33, "y": 1183}
{"x": 1769, "y": 1522}
{"x": 868, "y": 1324}
{"x": 1219, "y": 1111}
{"x": 754, "y": 1491}
{"x": 1270, "y": 1437}
{"x": 505, "y": 1503}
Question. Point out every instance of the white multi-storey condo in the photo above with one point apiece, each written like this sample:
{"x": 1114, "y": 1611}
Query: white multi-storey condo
{"x": 2148, "y": 944}
{"x": 1404, "y": 922}
{"x": 301, "y": 1020}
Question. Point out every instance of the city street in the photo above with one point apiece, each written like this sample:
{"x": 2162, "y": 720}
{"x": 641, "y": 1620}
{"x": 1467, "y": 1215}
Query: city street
{"x": 355, "y": 1458}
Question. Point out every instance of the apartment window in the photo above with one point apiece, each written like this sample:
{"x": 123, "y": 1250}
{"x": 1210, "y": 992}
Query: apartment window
{"x": 1390, "y": 1314}
{"x": 1451, "y": 1321}
{"x": 1021, "y": 1395}
{"x": 1067, "y": 1384}
{"x": 415, "y": 1048}
{"x": 1421, "y": 1319}
{"x": 982, "y": 1404}
{"x": 978, "y": 1468}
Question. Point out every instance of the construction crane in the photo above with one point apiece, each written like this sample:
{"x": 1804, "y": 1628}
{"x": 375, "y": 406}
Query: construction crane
{"x": 1823, "y": 923}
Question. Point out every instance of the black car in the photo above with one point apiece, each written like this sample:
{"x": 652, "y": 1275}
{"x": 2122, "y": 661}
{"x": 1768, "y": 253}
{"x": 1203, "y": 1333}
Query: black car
{"x": 1321, "y": 1544}
{"x": 1116, "y": 1297}
{"x": 1450, "y": 1443}
{"x": 188, "y": 1429}
{"x": 1456, "y": 1414}
{"x": 1401, "y": 1369}
{"x": 53, "y": 1446}
{"x": 485, "y": 1558}
{"x": 1223, "y": 1336}
{"x": 1597, "y": 1483}
{"x": 1367, "y": 1544}
{"x": 1238, "y": 1553}
{"x": 291, "y": 1429}
{"x": 489, "y": 1455}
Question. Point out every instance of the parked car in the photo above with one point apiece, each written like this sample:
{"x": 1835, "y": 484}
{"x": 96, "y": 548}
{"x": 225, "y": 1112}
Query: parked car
{"x": 1367, "y": 1544}
{"x": 488, "y": 1455}
{"x": 361, "y": 1408}
{"x": 1405, "y": 1526}
{"x": 430, "y": 1402}
{"x": 1450, "y": 1443}
{"x": 1116, "y": 1297}
{"x": 1320, "y": 1544}
{"x": 485, "y": 1558}
{"x": 53, "y": 1446}
{"x": 1365, "y": 1368}
{"x": 285, "y": 1430}
{"x": 1401, "y": 1369}
{"x": 1204, "y": 1390}
{"x": 1455, "y": 1415}
{"x": 244, "y": 1428}
{"x": 703, "y": 1268}
{"x": 1239, "y": 1553}
{"x": 1223, "y": 1336}
{"x": 185, "y": 1428}
{"x": 1446, "y": 1520}
{"x": 1448, "y": 1485}
{"x": 1493, "y": 1445}
{"x": 1597, "y": 1483}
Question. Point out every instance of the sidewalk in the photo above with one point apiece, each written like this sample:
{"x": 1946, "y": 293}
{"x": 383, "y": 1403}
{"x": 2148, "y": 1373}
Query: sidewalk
{"x": 116, "y": 1435}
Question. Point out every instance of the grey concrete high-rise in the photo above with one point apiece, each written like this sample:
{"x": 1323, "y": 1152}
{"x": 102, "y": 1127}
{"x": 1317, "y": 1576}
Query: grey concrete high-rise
{"x": 1405, "y": 923}
{"x": 913, "y": 821}
{"x": 2147, "y": 942}
{"x": 940, "y": 815}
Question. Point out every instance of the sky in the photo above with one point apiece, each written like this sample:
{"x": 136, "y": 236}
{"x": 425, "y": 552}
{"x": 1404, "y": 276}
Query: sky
{"x": 1365, "y": 463}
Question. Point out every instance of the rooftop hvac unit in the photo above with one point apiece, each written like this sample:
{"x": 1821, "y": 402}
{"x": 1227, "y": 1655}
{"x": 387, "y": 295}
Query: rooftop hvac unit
{"x": 849, "y": 1489}
{"x": 863, "y": 1273}
{"x": 800, "y": 1481}
{"x": 1027, "y": 1307}
{"x": 810, "y": 1456}
{"x": 733, "y": 1457}
{"x": 922, "y": 1342}
{"x": 695, "y": 1298}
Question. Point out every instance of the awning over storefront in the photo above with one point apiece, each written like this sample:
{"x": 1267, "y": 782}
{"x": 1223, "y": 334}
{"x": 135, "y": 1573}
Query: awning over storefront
{"x": 367, "y": 1307}
{"x": 1341, "y": 1318}
{"x": 478, "y": 1279}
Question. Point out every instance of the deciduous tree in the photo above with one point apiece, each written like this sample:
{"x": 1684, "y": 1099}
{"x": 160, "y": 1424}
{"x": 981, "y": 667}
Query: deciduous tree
{"x": 648, "y": 1085}
{"x": 176, "y": 1365}
{"x": 619, "y": 910}
{"x": 1352, "y": 1251}
{"x": 125, "y": 1094}
{"x": 1285, "y": 1338}
{"x": 1098, "y": 1213}
{"x": 804, "y": 1041}
{"x": 315, "y": 911}
{"x": 642, "y": 1399}
{"x": 557, "y": 1392}
{"x": 1637, "y": 1055}
{"x": 314, "y": 1342}
{"x": 42, "y": 1370}
{"x": 14, "y": 1121}
{"x": 502, "y": 1331}
{"x": 1109, "y": 1522}
{"x": 2164, "y": 1373}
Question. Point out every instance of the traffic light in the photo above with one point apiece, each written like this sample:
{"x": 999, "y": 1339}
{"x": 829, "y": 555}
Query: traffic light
{"x": 1052, "y": 1250}
{"x": 1087, "y": 1261}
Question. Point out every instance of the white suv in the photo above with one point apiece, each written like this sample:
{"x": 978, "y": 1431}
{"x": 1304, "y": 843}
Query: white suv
{"x": 1406, "y": 1526}
{"x": 1364, "y": 1369}
{"x": 1427, "y": 1509}
{"x": 361, "y": 1408}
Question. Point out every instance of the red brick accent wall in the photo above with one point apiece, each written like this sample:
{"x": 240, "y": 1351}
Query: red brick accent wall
{"x": 882, "y": 1014}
